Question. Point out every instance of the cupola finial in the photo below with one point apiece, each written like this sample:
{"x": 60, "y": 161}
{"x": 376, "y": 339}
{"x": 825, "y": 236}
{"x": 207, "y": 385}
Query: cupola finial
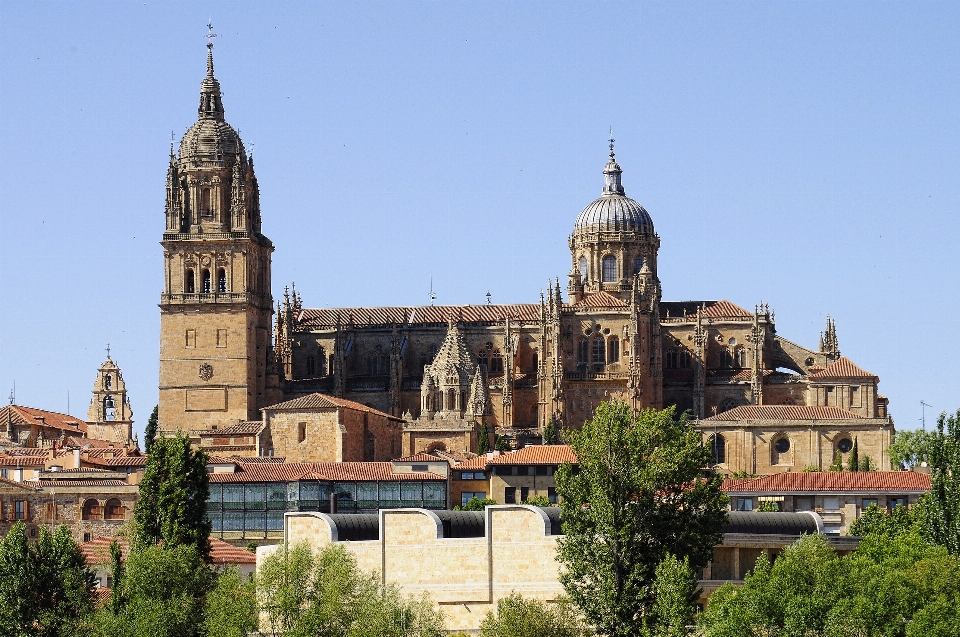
{"x": 612, "y": 172}
{"x": 611, "y": 140}
{"x": 210, "y": 35}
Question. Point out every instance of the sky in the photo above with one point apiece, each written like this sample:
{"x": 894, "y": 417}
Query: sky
{"x": 801, "y": 154}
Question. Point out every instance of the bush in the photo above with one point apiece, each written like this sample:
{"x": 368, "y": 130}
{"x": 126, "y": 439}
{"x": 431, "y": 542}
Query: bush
{"x": 517, "y": 616}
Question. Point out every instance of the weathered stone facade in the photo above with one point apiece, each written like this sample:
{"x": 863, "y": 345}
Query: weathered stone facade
{"x": 110, "y": 416}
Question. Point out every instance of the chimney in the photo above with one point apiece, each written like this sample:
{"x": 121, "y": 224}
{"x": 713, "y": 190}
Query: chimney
{"x": 76, "y": 458}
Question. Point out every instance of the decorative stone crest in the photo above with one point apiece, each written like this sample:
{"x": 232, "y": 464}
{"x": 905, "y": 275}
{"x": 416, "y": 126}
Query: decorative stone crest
{"x": 206, "y": 371}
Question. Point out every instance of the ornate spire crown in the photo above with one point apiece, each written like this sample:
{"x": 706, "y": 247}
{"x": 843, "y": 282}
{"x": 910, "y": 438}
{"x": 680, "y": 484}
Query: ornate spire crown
{"x": 612, "y": 172}
{"x": 211, "y": 106}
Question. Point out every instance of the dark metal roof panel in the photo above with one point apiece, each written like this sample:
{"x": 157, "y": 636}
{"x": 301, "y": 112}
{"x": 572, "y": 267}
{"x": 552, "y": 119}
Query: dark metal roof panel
{"x": 356, "y": 527}
{"x": 462, "y": 523}
{"x": 770, "y": 523}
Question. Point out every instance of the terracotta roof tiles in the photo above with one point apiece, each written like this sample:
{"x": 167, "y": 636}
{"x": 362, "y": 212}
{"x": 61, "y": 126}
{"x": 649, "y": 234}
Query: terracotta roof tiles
{"x": 250, "y": 427}
{"x": 340, "y": 471}
{"x": 843, "y": 367}
{"x": 421, "y": 457}
{"x": 536, "y": 454}
{"x": 601, "y": 300}
{"x": 714, "y": 310}
{"x": 480, "y": 462}
{"x": 29, "y": 416}
{"x": 419, "y": 315}
{"x": 97, "y": 551}
{"x": 832, "y": 481}
{"x": 323, "y": 401}
{"x": 784, "y": 412}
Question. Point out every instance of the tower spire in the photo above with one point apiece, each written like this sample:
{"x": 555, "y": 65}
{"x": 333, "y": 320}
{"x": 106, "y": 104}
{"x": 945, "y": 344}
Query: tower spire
{"x": 612, "y": 172}
{"x": 211, "y": 107}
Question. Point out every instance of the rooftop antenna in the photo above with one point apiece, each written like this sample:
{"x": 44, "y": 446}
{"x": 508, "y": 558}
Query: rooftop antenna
{"x": 488, "y": 297}
{"x": 433, "y": 296}
{"x": 923, "y": 414}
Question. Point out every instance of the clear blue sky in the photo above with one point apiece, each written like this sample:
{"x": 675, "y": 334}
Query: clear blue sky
{"x": 801, "y": 154}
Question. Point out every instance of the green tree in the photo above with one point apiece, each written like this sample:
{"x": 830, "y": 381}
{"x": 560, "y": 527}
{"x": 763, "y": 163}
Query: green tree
{"x": 172, "y": 502}
{"x": 118, "y": 575}
{"x": 502, "y": 443}
{"x": 150, "y": 433}
{"x": 475, "y": 504}
{"x": 853, "y": 462}
{"x": 639, "y": 494}
{"x": 866, "y": 464}
{"x": 910, "y": 448}
{"x": 517, "y": 616}
{"x": 676, "y": 593}
{"x": 943, "y": 502}
{"x": 483, "y": 440}
{"x": 538, "y": 501}
{"x": 837, "y": 462}
{"x": 768, "y": 506}
{"x": 550, "y": 434}
{"x": 46, "y": 588}
{"x": 325, "y": 595}
{"x": 230, "y": 609}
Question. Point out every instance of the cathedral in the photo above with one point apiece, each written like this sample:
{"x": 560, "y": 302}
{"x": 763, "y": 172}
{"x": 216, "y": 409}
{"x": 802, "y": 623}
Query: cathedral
{"x": 452, "y": 374}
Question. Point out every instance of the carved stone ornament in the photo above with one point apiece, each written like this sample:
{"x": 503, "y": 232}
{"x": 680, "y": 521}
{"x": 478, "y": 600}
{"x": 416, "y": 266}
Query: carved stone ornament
{"x": 206, "y": 371}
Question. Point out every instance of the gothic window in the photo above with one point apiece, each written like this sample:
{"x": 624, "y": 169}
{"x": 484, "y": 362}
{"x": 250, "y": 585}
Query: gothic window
{"x": 684, "y": 359}
{"x": 221, "y": 280}
{"x": 583, "y": 269}
{"x": 108, "y": 408}
{"x": 726, "y": 360}
{"x": 451, "y": 400}
{"x": 496, "y": 363}
{"x": 609, "y": 268}
{"x": 583, "y": 352}
{"x": 330, "y": 366}
{"x": 189, "y": 286}
{"x": 206, "y": 282}
{"x": 482, "y": 360}
{"x": 670, "y": 360}
{"x": 311, "y": 365}
{"x": 614, "y": 349}
{"x": 383, "y": 365}
{"x": 726, "y": 405}
{"x": 637, "y": 264}
{"x": 108, "y": 382}
{"x": 535, "y": 362}
{"x": 599, "y": 354}
{"x": 740, "y": 357}
{"x": 206, "y": 209}
{"x": 718, "y": 447}
{"x": 844, "y": 445}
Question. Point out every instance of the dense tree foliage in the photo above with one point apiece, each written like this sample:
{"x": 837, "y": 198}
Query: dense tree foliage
{"x": 943, "y": 503}
{"x": 637, "y": 496}
{"x": 676, "y": 592}
{"x": 550, "y": 434}
{"x": 519, "y": 617}
{"x": 172, "y": 503}
{"x": 910, "y": 448}
{"x": 150, "y": 433}
{"x": 475, "y": 504}
{"x": 45, "y": 586}
{"x": 325, "y": 595}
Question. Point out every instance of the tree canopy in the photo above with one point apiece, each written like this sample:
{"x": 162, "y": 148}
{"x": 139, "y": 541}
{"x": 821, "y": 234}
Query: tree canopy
{"x": 638, "y": 495}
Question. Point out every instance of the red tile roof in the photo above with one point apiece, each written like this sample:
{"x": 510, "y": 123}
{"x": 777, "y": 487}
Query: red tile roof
{"x": 714, "y": 310}
{"x": 23, "y": 461}
{"x": 843, "y": 367}
{"x": 784, "y": 412}
{"x": 480, "y": 462}
{"x": 341, "y": 471}
{"x": 30, "y": 486}
{"x": 250, "y": 427}
{"x": 323, "y": 401}
{"x": 419, "y": 315}
{"x": 832, "y": 481}
{"x": 122, "y": 461}
{"x": 536, "y": 454}
{"x": 93, "y": 443}
{"x": 86, "y": 483}
{"x": 601, "y": 300}
{"x": 421, "y": 457}
{"x": 224, "y": 553}
{"x": 97, "y": 551}
{"x": 29, "y": 416}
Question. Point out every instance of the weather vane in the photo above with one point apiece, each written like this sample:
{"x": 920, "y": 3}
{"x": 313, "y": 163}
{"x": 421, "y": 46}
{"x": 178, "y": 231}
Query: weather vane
{"x": 210, "y": 34}
{"x": 108, "y": 350}
{"x": 611, "y": 141}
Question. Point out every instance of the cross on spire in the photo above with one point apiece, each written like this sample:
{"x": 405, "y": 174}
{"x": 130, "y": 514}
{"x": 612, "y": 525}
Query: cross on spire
{"x": 108, "y": 351}
{"x": 611, "y": 140}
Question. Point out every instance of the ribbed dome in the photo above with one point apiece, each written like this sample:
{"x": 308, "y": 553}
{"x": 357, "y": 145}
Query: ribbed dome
{"x": 614, "y": 211}
{"x": 210, "y": 139}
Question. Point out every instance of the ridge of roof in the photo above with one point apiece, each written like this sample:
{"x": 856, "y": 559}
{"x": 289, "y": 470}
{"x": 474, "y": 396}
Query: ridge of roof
{"x": 317, "y": 400}
{"x": 784, "y": 412}
{"x": 20, "y": 415}
{"x": 832, "y": 481}
{"x": 843, "y": 367}
{"x": 536, "y": 454}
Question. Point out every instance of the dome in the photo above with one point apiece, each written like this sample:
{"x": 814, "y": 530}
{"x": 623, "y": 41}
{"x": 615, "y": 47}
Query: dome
{"x": 210, "y": 139}
{"x": 614, "y": 211}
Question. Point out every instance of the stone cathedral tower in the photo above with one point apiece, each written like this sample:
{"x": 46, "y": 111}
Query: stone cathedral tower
{"x": 216, "y": 306}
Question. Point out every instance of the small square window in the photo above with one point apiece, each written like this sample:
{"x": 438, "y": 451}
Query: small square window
{"x": 898, "y": 502}
{"x": 86, "y": 537}
{"x": 868, "y": 502}
{"x": 552, "y": 494}
{"x": 510, "y": 495}
{"x": 744, "y": 504}
{"x": 543, "y": 470}
{"x": 419, "y": 468}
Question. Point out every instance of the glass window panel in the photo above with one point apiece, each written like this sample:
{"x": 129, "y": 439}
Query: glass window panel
{"x": 367, "y": 491}
{"x": 216, "y": 493}
{"x": 293, "y": 492}
{"x": 253, "y": 496}
{"x": 232, "y": 496}
{"x": 277, "y": 496}
{"x": 253, "y": 521}
{"x": 275, "y": 521}
{"x": 309, "y": 491}
{"x": 232, "y": 521}
{"x": 346, "y": 490}
{"x": 389, "y": 490}
{"x": 216, "y": 523}
{"x": 434, "y": 494}
{"x": 411, "y": 491}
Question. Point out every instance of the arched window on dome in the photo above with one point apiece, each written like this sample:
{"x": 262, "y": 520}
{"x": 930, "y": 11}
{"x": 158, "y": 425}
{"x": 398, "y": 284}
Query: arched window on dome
{"x": 583, "y": 270}
{"x": 609, "y": 268}
{"x": 637, "y": 264}
{"x": 206, "y": 210}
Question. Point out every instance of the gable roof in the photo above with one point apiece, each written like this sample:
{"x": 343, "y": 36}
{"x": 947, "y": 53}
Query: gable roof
{"x": 421, "y": 457}
{"x": 29, "y": 416}
{"x": 843, "y": 367}
{"x": 324, "y": 401}
{"x": 784, "y": 412}
{"x": 600, "y": 299}
{"x": 416, "y": 315}
{"x": 249, "y": 427}
{"x": 711, "y": 310}
{"x": 536, "y": 454}
{"x": 832, "y": 481}
{"x": 342, "y": 471}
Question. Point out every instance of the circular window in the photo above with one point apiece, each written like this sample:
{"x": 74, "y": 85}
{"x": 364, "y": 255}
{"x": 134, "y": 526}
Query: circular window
{"x": 732, "y": 341}
{"x": 782, "y": 445}
{"x": 606, "y": 330}
{"x": 845, "y": 445}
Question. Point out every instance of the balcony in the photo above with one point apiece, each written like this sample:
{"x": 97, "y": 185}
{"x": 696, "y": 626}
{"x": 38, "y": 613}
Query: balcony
{"x": 575, "y": 376}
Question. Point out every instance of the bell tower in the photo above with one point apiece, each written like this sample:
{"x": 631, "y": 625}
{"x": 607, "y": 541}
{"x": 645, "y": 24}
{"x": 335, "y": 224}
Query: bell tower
{"x": 216, "y": 305}
{"x": 110, "y": 416}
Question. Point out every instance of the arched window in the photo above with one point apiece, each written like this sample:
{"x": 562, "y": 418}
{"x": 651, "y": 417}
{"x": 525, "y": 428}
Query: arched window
{"x": 330, "y": 366}
{"x": 221, "y": 280}
{"x": 718, "y": 447}
{"x": 482, "y": 360}
{"x": 684, "y": 359}
{"x": 496, "y": 363}
{"x": 599, "y": 354}
{"x": 189, "y": 287}
{"x": 206, "y": 282}
{"x": 451, "y": 399}
{"x": 726, "y": 405}
{"x": 637, "y": 264}
{"x": 740, "y": 357}
{"x": 535, "y": 362}
{"x": 91, "y": 510}
{"x": 726, "y": 360}
{"x": 614, "y": 350}
{"x": 205, "y": 208}
{"x": 583, "y": 269}
{"x": 113, "y": 510}
{"x": 609, "y": 268}
{"x": 670, "y": 360}
{"x": 108, "y": 408}
{"x": 108, "y": 382}
{"x": 583, "y": 353}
